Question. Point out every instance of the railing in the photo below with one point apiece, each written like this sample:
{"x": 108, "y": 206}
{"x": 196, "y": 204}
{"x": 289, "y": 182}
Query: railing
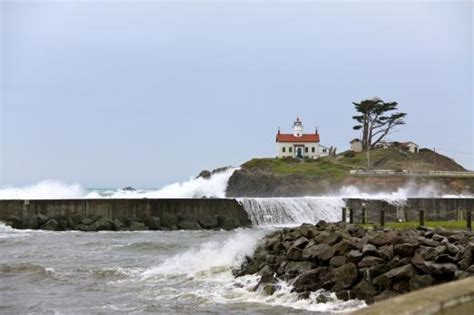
{"x": 412, "y": 173}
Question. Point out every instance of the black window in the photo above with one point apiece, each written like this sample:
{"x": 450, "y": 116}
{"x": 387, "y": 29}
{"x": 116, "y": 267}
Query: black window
{"x": 324, "y": 150}
{"x": 313, "y": 149}
{"x": 290, "y": 149}
{"x": 283, "y": 149}
{"x": 306, "y": 149}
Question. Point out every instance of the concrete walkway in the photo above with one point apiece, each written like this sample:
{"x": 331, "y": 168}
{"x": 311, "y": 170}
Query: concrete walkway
{"x": 454, "y": 298}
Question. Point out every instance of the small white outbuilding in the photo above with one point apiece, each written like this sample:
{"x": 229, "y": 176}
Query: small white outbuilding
{"x": 356, "y": 145}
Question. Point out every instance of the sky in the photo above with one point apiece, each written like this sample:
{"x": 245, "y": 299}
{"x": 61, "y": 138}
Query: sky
{"x": 145, "y": 93}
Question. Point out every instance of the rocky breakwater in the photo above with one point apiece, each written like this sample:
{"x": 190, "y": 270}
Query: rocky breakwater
{"x": 354, "y": 262}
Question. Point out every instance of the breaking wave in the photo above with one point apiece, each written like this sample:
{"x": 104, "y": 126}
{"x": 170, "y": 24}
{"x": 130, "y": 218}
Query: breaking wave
{"x": 213, "y": 187}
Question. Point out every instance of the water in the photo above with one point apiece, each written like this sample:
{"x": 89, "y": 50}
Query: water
{"x": 169, "y": 272}
{"x": 292, "y": 211}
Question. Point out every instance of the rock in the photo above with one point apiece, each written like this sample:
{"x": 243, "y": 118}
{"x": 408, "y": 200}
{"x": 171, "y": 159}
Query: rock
{"x": 322, "y": 252}
{"x": 87, "y": 221}
{"x": 344, "y": 276}
{"x": 321, "y": 237}
{"x": 470, "y": 269}
{"x": 354, "y": 256}
{"x": 386, "y": 252}
{"x": 420, "y": 281}
{"x": 42, "y": 218}
{"x": 458, "y": 275}
{"x": 33, "y": 223}
{"x": 446, "y": 270}
{"x": 466, "y": 259}
{"x": 226, "y": 223}
{"x": 204, "y": 174}
{"x": 333, "y": 238}
{"x": 452, "y": 249}
{"x": 406, "y": 271}
{"x": 369, "y": 261}
{"x": 50, "y": 225}
{"x": 365, "y": 291}
{"x": 168, "y": 220}
{"x": 401, "y": 286}
{"x": 445, "y": 258}
{"x": 430, "y": 253}
{"x": 137, "y": 226}
{"x": 379, "y": 239}
{"x": 301, "y": 242}
{"x": 337, "y": 261}
{"x": 346, "y": 245}
{"x": 295, "y": 254}
{"x": 15, "y": 222}
{"x": 428, "y": 242}
{"x": 295, "y": 268}
{"x": 310, "y": 280}
{"x": 153, "y": 223}
{"x": 269, "y": 289}
{"x": 404, "y": 250}
{"x": 345, "y": 295}
{"x": 102, "y": 224}
{"x": 357, "y": 231}
{"x": 370, "y": 249}
{"x": 188, "y": 225}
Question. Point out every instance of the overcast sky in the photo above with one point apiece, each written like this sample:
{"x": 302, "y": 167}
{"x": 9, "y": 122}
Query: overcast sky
{"x": 147, "y": 93}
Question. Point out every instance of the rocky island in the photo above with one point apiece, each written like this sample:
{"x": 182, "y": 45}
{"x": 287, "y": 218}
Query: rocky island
{"x": 355, "y": 262}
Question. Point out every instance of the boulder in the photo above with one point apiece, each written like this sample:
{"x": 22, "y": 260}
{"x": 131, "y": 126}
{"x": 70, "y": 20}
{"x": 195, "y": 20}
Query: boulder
{"x": 346, "y": 245}
{"x": 420, "y": 281}
{"x": 370, "y": 249}
{"x": 386, "y": 252}
{"x": 446, "y": 270}
{"x": 153, "y": 223}
{"x": 369, "y": 261}
{"x": 204, "y": 174}
{"x": 227, "y": 223}
{"x": 137, "y": 226}
{"x": 333, "y": 238}
{"x": 384, "y": 238}
{"x": 102, "y": 224}
{"x": 42, "y": 218}
{"x": 354, "y": 256}
{"x": 50, "y": 225}
{"x": 365, "y": 291}
{"x": 15, "y": 222}
{"x": 295, "y": 254}
{"x": 309, "y": 280}
{"x": 344, "y": 276}
{"x": 404, "y": 250}
{"x": 188, "y": 225}
{"x": 168, "y": 220}
{"x": 301, "y": 242}
{"x": 295, "y": 268}
{"x": 337, "y": 261}
{"x": 322, "y": 252}
{"x": 403, "y": 272}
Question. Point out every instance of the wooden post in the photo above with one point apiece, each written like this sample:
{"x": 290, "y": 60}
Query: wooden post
{"x": 351, "y": 215}
{"x": 422, "y": 217}
{"x": 344, "y": 215}
{"x": 382, "y": 218}
{"x": 468, "y": 219}
{"x": 364, "y": 216}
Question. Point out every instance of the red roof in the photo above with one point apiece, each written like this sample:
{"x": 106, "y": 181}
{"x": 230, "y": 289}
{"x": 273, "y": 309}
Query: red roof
{"x": 307, "y": 137}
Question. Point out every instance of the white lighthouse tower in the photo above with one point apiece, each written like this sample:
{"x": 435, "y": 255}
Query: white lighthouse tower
{"x": 298, "y": 128}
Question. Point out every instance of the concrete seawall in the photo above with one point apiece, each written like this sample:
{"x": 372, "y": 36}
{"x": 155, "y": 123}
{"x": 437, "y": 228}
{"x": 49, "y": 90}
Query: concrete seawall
{"x": 128, "y": 214}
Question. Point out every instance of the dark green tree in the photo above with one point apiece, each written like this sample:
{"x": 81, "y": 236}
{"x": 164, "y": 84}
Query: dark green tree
{"x": 376, "y": 119}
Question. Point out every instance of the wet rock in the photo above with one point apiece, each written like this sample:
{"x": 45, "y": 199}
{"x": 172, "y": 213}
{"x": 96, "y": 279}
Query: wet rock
{"x": 153, "y": 223}
{"x": 310, "y": 280}
{"x": 50, "y": 225}
{"x": 354, "y": 256}
{"x": 386, "y": 252}
{"x": 345, "y": 295}
{"x": 188, "y": 225}
{"x": 370, "y": 249}
{"x": 333, "y": 238}
{"x": 420, "y": 281}
{"x": 369, "y": 261}
{"x": 446, "y": 270}
{"x": 337, "y": 261}
{"x": 380, "y": 239}
{"x": 269, "y": 289}
{"x": 137, "y": 226}
{"x": 404, "y": 250}
{"x": 226, "y": 223}
{"x": 344, "y": 276}
{"x": 102, "y": 224}
{"x": 322, "y": 252}
{"x": 42, "y": 218}
{"x": 301, "y": 242}
{"x": 346, "y": 245}
{"x": 295, "y": 254}
{"x": 365, "y": 291}
{"x": 168, "y": 221}
{"x": 406, "y": 271}
{"x": 204, "y": 174}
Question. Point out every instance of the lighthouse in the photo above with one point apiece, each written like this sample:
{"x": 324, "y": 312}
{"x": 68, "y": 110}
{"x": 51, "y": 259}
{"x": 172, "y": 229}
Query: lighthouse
{"x": 298, "y": 144}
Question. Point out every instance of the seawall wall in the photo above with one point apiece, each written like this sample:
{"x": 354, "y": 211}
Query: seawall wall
{"x": 124, "y": 214}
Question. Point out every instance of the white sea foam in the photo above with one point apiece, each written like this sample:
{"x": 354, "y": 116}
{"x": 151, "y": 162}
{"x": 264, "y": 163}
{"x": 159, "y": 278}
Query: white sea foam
{"x": 215, "y": 187}
{"x": 285, "y": 211}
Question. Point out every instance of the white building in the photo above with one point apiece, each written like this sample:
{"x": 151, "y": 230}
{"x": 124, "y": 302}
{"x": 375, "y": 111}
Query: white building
{"x": 298, "y": 144}
{"x": 356, "y": 145}
{"x": 410, "y": 146}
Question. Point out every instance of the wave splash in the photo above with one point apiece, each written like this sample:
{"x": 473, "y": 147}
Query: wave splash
{"x": 284, "y": 211}
{"x": 214, "y": 187}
